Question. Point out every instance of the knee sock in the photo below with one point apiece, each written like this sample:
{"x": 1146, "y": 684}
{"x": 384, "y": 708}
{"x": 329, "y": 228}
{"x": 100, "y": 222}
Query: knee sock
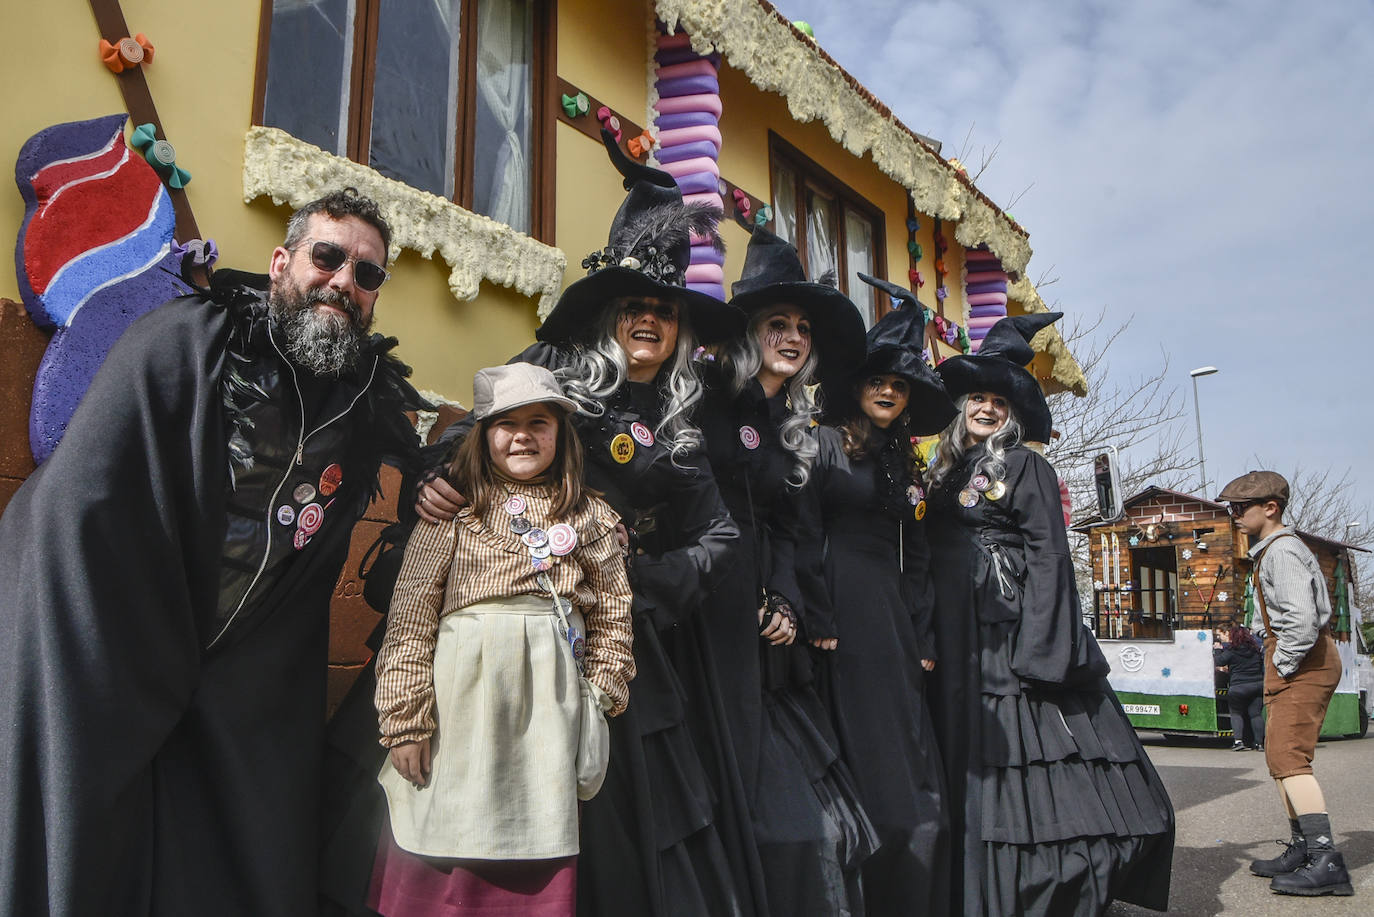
{"x": 1304, "y": 794}
{"x": 1316, "y": 828}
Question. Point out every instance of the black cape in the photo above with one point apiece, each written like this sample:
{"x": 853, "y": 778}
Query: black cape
{"x": 1054, "y": 806}
{"x": 874, "y": 584}
{"x": 809, "y": 826}
{"x": 139, "y": 772}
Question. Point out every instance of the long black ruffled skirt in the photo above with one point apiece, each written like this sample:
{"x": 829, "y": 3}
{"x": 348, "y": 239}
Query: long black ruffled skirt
{"x": 1063, "y": 811}
{"x": 875, "y": 690}
{"x": 650, "y": 843}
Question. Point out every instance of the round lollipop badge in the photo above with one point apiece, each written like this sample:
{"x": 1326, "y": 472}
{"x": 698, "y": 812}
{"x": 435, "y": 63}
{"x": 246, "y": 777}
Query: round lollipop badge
{"x": 562, "y": 539}
{"x": 749, "y": 436}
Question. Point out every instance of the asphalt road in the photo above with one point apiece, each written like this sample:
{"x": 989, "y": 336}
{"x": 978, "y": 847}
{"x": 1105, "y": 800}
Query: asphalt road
{"x": 1229, "y": 814}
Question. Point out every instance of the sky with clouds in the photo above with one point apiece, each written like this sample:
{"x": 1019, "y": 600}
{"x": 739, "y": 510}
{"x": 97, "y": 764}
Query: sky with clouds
{"x": 1202, "y": 167}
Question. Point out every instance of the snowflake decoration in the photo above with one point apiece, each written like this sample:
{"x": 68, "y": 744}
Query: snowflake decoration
{"x": 1166, "y": 671}
{"x": 1223, "y": 596}
{"x": 1187, "y": 553}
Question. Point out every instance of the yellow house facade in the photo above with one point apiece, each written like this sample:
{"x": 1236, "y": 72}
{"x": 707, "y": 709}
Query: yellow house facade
{"x": 452, "y": 114}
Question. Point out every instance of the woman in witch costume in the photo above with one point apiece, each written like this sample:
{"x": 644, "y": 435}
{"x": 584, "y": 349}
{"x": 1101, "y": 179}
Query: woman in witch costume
{"x": 874, "y": 599}
{"x": 1054, "y": 805}
{"x": 621, "y": 341}
{"x": 810, "y": 828}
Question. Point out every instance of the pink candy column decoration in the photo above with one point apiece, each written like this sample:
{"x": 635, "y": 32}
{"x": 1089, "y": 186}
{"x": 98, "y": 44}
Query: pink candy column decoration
{"x": 688, "y": 121}
{"x": 985, "y": 291}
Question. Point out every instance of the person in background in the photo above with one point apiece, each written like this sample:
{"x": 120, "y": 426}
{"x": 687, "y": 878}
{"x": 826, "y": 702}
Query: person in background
{"x": 1243, "y": 659}
{"x": 1301, "y": 672}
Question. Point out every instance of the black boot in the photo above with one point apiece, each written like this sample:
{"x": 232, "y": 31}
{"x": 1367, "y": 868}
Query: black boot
{"x": 1323, "y": 874}
{"x": 1293, "y": 856}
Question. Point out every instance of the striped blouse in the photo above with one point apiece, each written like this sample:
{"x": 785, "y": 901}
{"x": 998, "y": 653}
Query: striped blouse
{"x": 467, "y": 560}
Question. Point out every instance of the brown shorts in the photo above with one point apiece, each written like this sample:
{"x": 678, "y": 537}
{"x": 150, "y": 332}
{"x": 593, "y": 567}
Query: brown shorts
{"x": 1297, "y": 706}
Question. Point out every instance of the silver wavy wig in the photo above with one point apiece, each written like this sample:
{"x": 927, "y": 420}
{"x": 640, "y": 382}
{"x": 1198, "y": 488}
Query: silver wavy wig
{"x": 742, "y": 358}
{"x": 599, "y": 369}
{"x": 951, "y": 449}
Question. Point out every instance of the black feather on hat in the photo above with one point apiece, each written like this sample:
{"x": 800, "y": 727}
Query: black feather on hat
{"x": 773, "y": 275}
{"x": 895, "y": 344}
{"x": 999, "y": 366}
{"x": 646, "y": 254}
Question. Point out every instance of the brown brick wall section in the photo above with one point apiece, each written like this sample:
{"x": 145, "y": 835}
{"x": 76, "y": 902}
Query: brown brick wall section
{"x": 352, "y": 620}
{"x": 21, "y": 349}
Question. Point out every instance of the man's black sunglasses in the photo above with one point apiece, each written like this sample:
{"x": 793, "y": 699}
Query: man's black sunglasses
{"x": 330, "y": 258}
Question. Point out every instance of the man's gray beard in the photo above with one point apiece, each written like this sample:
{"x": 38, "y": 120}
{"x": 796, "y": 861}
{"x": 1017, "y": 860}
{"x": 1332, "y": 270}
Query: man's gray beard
{"x": 324, "y": 343}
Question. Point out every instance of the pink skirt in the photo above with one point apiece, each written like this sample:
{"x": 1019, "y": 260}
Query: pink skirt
{"x": 406, "y": 885}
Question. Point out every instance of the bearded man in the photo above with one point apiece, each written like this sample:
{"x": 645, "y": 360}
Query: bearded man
{"x": 165, "y": 580}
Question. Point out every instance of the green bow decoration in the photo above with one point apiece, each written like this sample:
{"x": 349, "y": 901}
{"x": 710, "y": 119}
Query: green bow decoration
{"x": 915, "y": 248}
{"x": 576, "y": 106}
{"x": 763, "y": 215}
{"x": 161, "y": 155}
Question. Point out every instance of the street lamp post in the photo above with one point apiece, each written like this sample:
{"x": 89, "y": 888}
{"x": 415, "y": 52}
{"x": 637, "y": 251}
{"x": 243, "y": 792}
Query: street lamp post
{"x": 1197, "y": 414}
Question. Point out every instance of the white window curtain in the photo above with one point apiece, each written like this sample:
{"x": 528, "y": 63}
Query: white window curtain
{"x": 501, "y": 179}
{"x": 785, "y": 203}
{"x": 858, "y": 252}
{"x": 821, "y": 252}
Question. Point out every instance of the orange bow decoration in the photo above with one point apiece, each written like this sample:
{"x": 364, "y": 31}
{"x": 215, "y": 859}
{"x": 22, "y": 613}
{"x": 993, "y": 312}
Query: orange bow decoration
{"x": 126, "y": 53}
{"x": 641, "y": 145}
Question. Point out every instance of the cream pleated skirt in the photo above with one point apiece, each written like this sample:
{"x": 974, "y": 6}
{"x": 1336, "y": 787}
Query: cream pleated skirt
{"x": 503, "y": 784}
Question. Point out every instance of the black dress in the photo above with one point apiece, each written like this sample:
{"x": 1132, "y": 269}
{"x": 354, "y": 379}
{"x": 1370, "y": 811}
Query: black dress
{"x": 810, "y": 829}
{"x": 1058, "y": 806}
{"x": 875, "y": 595}
{"x": 655, "y": 841}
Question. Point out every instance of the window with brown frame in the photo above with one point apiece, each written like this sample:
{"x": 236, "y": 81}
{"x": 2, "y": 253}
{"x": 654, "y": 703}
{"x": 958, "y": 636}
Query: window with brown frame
{"x": 448, "y": 96}
{"x": 833, "y": 228}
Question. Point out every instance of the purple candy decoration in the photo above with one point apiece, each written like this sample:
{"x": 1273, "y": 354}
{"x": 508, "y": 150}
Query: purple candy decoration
{"x": 707, "y": 254}
{"x": 686, "y": 151}
{"x": 686, "y": 119}
{"x": 710, "y": 289}
{"x": 987, "y": 286}
{"x": 987, "y": 311}
{"x": 666, "y": 57}
{"x": 688, "y": 86}
{"x": 699, "y": 183}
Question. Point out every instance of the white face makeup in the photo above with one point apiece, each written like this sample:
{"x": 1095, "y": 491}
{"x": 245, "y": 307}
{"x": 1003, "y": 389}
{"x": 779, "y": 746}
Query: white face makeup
{"x": 523, "y": 441}
{"x": 785, "y": 343}
{"x": 883, "y": 398}
{"x": 984, "y": 414}
{"x": 646, "y": 330}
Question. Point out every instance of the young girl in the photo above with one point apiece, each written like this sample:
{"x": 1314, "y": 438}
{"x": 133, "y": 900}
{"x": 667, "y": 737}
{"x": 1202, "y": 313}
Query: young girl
{"x": 478, "y": 693}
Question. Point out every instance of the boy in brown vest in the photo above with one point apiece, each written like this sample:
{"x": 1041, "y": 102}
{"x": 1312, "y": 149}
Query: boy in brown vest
{"x": 1301, "y": 671}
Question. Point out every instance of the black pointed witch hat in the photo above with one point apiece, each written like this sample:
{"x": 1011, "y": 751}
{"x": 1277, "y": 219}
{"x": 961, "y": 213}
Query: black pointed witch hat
{"x": 773, "y": 275}
{"x": 1000, "y": 366}
{"x": 647, "y": 252}
{"x": 895, "y": 344}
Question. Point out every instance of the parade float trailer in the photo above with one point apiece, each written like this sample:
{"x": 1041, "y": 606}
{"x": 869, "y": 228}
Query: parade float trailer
{"x": 494, "y": 178}
{"x": 1170, "y": 576}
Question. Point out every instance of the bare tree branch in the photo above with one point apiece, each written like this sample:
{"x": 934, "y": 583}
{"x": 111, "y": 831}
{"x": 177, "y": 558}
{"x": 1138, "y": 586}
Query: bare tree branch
{"x": 1016, "y": 197}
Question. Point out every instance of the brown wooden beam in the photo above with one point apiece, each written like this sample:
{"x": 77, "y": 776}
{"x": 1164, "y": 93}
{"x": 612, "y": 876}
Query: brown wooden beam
{"x": 138, "y": 99}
